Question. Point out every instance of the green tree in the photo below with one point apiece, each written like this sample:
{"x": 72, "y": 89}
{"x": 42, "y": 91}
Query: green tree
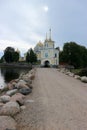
{"x": 83, "y": 53}
{"x": 28, "y": 57}
{"x": 16, "y": 56}
{"x": 72, "y": 54}
{"x": 9, "y": 54}
{"x": 61, "y": 57}
{"x": 31, "y": 56}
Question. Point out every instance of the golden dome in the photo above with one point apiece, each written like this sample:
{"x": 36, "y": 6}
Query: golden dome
{"x": 40, "y": 44}
{"x": 17, "y": 50}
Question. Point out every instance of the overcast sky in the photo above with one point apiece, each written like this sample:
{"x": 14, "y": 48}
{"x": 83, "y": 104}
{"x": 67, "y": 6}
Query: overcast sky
{"x": 24, "y": 22}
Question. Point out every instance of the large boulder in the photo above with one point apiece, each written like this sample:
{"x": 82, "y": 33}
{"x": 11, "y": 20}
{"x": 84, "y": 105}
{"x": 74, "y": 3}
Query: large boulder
{"x": 19, "y": 98}
{"x": 21, "y": 84}
{"x": 26, "y": 79}
{"x": 25, "y": 91}
{"x": 77, "y": 77}
{"x": 11, "y": 85}
{"x": 5, "y": 98}
{"x": 84, "y": 79}
{"x": 10, "y": 109}
{"x": 11, "y": 92}
{"x": 7, "y": 123}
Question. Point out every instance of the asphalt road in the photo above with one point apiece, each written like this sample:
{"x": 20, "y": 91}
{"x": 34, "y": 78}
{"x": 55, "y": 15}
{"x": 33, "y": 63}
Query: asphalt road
{"x": 58, "y": 102}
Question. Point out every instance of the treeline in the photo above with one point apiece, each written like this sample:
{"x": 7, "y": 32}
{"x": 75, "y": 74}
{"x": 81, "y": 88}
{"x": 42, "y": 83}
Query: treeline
{"x": 10, "y": 56}
{"x": 74, "y": 54}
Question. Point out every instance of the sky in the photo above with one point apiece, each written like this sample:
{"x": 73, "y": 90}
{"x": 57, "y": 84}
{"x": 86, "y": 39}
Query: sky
{"x": 23, "y": 23}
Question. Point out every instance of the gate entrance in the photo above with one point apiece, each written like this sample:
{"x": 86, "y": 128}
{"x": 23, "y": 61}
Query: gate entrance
{"x": 46, "y": 63}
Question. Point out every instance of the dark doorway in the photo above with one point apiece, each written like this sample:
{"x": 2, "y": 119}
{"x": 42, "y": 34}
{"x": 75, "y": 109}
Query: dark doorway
{"x": 47, "y": 64}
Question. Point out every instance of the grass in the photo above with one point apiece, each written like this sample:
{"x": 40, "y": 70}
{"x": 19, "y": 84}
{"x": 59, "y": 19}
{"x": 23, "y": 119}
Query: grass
{"x": 76, "y": 71}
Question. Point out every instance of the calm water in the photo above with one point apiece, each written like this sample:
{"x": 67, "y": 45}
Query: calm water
{"x": 7, "y": 74}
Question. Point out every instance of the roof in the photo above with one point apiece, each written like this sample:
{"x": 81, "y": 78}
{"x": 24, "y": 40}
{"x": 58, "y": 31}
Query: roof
{"x": 39, "y": 44}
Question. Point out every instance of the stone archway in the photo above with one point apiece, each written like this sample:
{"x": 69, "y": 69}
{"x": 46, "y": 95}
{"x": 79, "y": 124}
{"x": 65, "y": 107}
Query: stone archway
{"x": 46, "y": 63}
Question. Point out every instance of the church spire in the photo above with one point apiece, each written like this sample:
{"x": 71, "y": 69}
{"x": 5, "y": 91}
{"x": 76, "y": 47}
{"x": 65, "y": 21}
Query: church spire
{"x": 46, "y": 36}
{"x": 50, "y": 34}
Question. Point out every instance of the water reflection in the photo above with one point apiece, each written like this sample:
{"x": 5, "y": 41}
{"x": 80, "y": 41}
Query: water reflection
{"x": 7, "y": 74}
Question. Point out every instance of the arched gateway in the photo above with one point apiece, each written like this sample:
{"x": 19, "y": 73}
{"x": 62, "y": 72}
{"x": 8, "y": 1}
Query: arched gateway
{"x": 46, "y": 63}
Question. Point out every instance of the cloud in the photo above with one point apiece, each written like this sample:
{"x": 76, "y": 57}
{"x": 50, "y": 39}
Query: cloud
{"x": 22, "y": 46}
{"x": 22, "y": 24}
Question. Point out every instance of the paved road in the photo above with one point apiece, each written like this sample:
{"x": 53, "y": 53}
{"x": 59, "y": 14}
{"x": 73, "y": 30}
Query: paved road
{"x": 60, "y": 103}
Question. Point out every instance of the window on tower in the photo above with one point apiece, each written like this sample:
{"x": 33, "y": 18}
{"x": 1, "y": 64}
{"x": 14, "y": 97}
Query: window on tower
{"x": 46, "y": 54}
{"x": 55, "y": 55}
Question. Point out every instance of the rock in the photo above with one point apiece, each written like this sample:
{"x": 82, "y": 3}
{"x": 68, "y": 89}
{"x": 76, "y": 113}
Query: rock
{"x": 4, "y": 89}
{"x": 30, "y": 86}
{"x": 19, "y": 98}
{"x": 31, "y": 76}
{"x": 22, "y": 108}
{"x": 22, "y": 81}
{"x": 32, "y": 71}
{"x": 5, "y": 98}
{"x": 26, "y": 79}
{"x": 11, "y": 85}
{"x": 10, "y": 109}
{"x": 7, "y": 123}
{"x": 25, "y": 91}
{"x": 1, "y": 104}
{"x": 11, "y": 92}
{"x": 77, "y": 77}
{"x": 21, "y": 84}
{"x": 21, "y": 75}
{"x": 71, "y": 74}
{"x": 62, "y": 70}
{"x": 84, "y": 79}
{"x": 68, "y": 73}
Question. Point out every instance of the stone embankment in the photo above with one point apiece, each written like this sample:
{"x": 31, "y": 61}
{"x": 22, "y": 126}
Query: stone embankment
{"x": 12, "y": 99}
{"x": 67, "y": 72}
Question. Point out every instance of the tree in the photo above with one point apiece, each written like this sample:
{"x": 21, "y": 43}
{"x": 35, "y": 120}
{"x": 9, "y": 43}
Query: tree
{"x": 31, "y": 56}
{"x": 27, "y": 57}
{"x": 16, "y": 56}
{"x": 61, "y": 57}
{"x": 9, "y": 54}
{"x": 83, "y": 52}
{"x": 74, "y": 54}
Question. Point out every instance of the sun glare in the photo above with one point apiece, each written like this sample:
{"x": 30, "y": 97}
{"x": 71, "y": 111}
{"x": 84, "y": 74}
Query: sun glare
{"x": 46, "y": 8}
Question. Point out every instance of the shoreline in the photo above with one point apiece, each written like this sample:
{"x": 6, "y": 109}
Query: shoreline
{"x": 13, "y": 99}
{"x": 16, "y": 65}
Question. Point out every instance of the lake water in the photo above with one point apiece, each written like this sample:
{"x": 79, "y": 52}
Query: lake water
{"x": 7, "y": 74}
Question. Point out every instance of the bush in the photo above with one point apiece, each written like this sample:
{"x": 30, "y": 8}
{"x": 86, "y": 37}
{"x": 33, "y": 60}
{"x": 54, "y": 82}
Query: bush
{"x": 83, "y": 72}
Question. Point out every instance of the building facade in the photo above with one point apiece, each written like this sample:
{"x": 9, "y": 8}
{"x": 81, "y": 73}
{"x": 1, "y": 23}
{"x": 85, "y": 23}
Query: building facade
{"x": 47, "y": 53}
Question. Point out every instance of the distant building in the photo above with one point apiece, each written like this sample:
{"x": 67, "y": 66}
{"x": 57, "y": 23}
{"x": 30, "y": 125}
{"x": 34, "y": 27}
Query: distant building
{"x": 47, "y": 53}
